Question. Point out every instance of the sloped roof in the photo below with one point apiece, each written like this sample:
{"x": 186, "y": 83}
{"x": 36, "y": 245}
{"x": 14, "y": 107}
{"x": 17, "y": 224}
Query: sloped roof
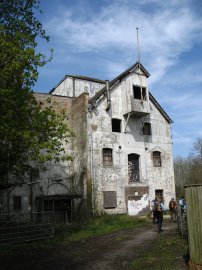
{"x": 77, "y": 77}
{"x": 119, "y": 78}
{"x": 158, "y": 106}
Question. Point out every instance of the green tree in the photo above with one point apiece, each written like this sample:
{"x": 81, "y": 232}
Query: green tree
{"x": 197, "y": 148}
{"x": 189, "y": 170}
{"x": 30, "y": 133}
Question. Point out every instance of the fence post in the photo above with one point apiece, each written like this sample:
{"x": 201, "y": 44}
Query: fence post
{"x": 18, "y": 232}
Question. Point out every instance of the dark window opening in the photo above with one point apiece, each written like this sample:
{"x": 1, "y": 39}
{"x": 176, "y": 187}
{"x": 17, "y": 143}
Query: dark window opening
{"x": 34, "y": 173}
{"x": 133, "y": 168}
{"x": 107, "y": 157}
{"x": 116, "y": 125}
{"x": 62, "y": 208}
{"x": 157, "y": 159}
{"x": 17, "y": 203}
{"x": 159, "y": 193}
{"x": 137, "y": 92}
{"x": 146, "y": 130}
{"x": 48, "y": 205}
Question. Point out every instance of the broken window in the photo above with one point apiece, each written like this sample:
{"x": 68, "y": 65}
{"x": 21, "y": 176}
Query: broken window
{"x": 146, "y": 130}
{"x": 107, "y": 157}
{"x": 133, "y": 168}
{"x": 157, "y": 159}
{"x": 109, "y": 199}
{"x": 137, "y": 92}
{"x": 17, "y": 203}
{"x": 116, "y": 125}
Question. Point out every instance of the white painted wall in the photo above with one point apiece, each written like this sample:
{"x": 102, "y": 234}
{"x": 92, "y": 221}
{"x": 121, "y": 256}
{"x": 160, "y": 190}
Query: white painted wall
{"x": 71, "y": 87}
{"x": 99, "y": 135}
{"x": 115, "y": 178}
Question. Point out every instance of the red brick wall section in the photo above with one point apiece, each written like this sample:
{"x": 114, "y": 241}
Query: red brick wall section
{"x": 60, "y": 103}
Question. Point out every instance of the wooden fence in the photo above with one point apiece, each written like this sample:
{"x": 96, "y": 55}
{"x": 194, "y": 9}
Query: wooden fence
{"x": 193, "y": 195}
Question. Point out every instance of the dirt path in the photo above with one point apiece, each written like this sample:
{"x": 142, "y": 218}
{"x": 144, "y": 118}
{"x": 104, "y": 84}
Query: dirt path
{"x": 114, "y": 251}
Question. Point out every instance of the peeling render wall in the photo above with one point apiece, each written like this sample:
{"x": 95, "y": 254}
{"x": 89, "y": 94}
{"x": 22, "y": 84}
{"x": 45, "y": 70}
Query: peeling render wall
{"x": 107, "y": 188}
{"x": 73, "y": 87}
{"x": 115, "y": 178}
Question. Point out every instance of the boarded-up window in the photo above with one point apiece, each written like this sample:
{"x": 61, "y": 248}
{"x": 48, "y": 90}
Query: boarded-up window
{"x": 116, "y": 125}
{"x": 137, "y": 92}
{"x": 17, "y": 203}
{"x": 107, "y": 157}
{"x": 110, "y": 199}
{"x": 157, "y": 159}
{"x": 146, "y": 130}
{"x": 133, "y": 168}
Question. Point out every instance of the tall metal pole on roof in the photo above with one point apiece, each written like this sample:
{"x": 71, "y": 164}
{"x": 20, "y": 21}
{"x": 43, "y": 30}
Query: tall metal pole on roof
{"x": 138, "y": 47}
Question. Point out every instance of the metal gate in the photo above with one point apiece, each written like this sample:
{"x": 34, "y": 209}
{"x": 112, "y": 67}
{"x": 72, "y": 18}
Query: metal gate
{"x": 26, "y": 227}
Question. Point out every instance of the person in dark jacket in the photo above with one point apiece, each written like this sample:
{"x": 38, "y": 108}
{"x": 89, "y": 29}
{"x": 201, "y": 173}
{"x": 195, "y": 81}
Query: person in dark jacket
{"x": 159, "y": 209}
{"x": 173, "y": 209}
{"x": 153, "y": 206}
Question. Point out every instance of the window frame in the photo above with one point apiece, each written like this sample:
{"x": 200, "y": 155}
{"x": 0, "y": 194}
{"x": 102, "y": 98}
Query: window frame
{"x": 137, "y": 157}
{"x": 107, "y": 162}
{"x": 157, "y": 163}
{"x": 148, "y": 128}
{"x": 137, "y": 92}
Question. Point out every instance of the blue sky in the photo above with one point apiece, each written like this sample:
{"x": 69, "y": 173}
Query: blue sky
{"x": 97, "y": 38}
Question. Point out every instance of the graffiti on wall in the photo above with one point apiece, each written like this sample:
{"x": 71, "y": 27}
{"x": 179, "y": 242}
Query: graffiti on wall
{"x": 134, "y": 207}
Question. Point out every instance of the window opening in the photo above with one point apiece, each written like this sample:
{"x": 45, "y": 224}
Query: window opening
{"x": 146, "y": 130}
{"x": 157, "y": 159}
{"x": 17, "y": 203}
{"x": 137, "y": 92}
{"x": 159, "y": 193}
{"x": 116, "y": 125}
{"x": 48, "y": 205}
{"x": 107, "y": 157}
{"x": 133, "y": 168}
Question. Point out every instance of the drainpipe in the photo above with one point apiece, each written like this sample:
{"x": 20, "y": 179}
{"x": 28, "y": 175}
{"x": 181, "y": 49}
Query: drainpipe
{"x": 74, "y": 90}
{"x": 92, "y": 174}
{"x": 108, "y": 96}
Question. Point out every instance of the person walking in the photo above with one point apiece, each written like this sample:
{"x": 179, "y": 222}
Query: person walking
{"x": 159, "y": 209}
{"x": 153, "y": 208}
{"x": 172, "y": 207}
{"x": 182, "y": 205}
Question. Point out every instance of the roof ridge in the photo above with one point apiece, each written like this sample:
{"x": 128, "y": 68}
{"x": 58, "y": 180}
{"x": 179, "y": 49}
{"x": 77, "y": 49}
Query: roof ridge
{"x": 119, "y": 77}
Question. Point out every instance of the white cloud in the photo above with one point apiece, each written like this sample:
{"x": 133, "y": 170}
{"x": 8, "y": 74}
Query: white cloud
{"x": 98, "y": 39}
{"x": 164, "y": 34}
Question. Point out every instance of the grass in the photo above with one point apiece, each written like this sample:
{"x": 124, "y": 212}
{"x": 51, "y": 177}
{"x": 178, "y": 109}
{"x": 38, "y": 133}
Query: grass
{"x": 99, "y": 226}
{"x": 165, "y": 253}
{"x": 80, "y": 230}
